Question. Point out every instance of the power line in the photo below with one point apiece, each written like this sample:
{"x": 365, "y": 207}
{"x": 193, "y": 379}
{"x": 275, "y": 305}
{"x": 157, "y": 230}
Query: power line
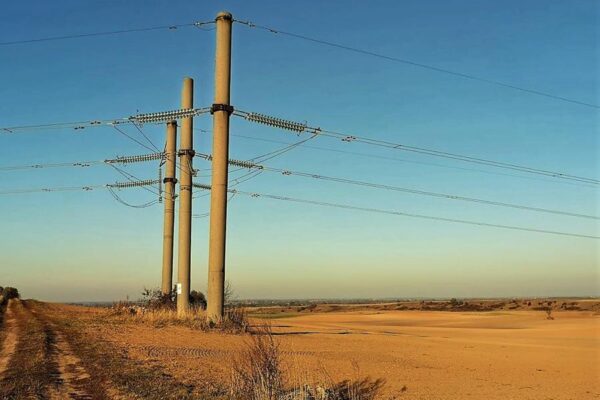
{"x": 145, "y": 136}
{"x": 52, "y": 189}
{"x": 110, "y": 187}
{"x": 135, "y": 180}
{"x": 125, "y": 203}
{"x": 400, "y": 213}
{"x": 381, "y": 157}
{"x": 287, "y": 172}
{"x": 152, "y": 118}
{"x": 301, "y": 128}
{"x": 79, "y": 164}
{"x": 84, "y": 164}
{"x": 197, "y": 24}
{"x": 75, "y": 125}
{"x": 132, "y": 138}
{"x": 419, "y": 65}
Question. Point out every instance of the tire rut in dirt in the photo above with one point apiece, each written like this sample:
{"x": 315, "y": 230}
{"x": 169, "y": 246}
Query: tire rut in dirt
{"x": 69, "y": 379}
{"x": 11, "y": 337}
{"x": 28, "y": 373}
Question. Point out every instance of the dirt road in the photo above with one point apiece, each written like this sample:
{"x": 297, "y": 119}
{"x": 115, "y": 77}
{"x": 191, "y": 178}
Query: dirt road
{"x": 48, "y": 353}
{"x": 36, "y": 361}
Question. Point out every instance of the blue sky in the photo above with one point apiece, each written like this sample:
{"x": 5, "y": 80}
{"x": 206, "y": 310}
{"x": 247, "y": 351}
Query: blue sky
{"x": 86, "y": 246}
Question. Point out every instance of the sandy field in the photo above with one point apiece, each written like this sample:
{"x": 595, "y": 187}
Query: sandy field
{"x": 421, "y": 354}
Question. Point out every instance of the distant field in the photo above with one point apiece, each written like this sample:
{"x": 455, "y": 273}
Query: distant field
{"x": 503, "y": 353}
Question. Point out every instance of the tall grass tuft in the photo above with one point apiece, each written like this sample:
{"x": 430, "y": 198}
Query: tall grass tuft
{"x": 258, "y": 373}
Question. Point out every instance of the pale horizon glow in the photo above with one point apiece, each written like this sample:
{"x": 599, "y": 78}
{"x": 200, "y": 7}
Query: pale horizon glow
{"x": 84, "y": 246}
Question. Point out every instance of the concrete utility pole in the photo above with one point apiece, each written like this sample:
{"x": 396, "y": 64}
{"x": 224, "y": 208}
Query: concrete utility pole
{"x": 186, "y": 154}
{"x": 221, "y": 110}
{"x": 169, "y": 181}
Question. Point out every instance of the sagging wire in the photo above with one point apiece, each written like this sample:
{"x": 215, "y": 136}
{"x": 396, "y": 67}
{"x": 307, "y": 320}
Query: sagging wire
{"x": 139, "y": 129}
{"x": 206, "y": 214}
{"x": 120, "y": 200}
{"x": 132, "y": 138}
{"x": 399, "y": 213}
{"x": 295, "y": 126}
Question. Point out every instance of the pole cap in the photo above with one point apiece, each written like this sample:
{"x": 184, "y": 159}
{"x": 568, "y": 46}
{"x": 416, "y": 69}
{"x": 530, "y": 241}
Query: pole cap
{"x": 226, "y": 15}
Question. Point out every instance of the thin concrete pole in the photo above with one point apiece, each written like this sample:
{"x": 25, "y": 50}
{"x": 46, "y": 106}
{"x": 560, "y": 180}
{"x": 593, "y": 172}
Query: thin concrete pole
{"x": 218, "y": 196}
{"x": 186, "y": 153}
{"x": 169, "y": 181}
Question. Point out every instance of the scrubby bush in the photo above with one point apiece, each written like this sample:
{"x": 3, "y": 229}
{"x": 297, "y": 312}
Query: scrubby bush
{"x": 455, "y": 303}
{"x": 197, "y": 300}
{"x": 258, "y": 373}
{"x": 155, "y": 299}
{"x": 7, "y": 293}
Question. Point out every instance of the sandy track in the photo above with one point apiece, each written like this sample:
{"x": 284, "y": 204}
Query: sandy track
{"x": 10, "y": 342}
{"x": 71, "y": 379}
{"x": 59, "y": 373}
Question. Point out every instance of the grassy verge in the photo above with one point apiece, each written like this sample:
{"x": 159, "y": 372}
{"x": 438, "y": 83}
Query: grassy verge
{"x": 235, "y": 319}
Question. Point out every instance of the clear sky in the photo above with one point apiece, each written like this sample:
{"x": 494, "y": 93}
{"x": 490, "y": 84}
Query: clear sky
{"x": 77, "y": 246}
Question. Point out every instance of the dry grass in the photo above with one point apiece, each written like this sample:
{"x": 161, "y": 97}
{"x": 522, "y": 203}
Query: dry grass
{"x": 235, "y": 320}
{"x": 258, "y": 373}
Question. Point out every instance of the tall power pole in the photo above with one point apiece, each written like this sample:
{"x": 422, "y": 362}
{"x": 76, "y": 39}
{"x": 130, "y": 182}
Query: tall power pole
{"x": 169, "y": 181}
{"x": 221, "y": 110}
{"x": 186, "y": 154}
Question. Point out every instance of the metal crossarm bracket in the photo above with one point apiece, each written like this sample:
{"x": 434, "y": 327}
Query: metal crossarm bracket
{"x": 185, "y": 152}
{"x": 221, "y": 107}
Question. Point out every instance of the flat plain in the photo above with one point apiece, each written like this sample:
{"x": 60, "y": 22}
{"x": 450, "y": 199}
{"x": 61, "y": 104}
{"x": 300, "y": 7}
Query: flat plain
{"x": 85, "y": 352}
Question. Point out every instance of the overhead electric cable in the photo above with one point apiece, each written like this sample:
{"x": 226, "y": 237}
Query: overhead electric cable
{"x": 382, "y": 157}
{"x": 156, "y": 117}
{"x": 400, "y": 213}
{"x": 132, "y": 138}
{"x": 299, "y": 128}
{"x": 145, "y": 136}
{"x": 80, "y": 164}
{"x": 75, "y": 125}
{"x": 287, "y": 172}
{"x": 420, "y": 65}
{"x": 197, "y": 24}
{"x": 135, "y": 180}
{"x": 125, "y": 203}
{"x": 83, "y": 164}
{"x": 52, "y": 189}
